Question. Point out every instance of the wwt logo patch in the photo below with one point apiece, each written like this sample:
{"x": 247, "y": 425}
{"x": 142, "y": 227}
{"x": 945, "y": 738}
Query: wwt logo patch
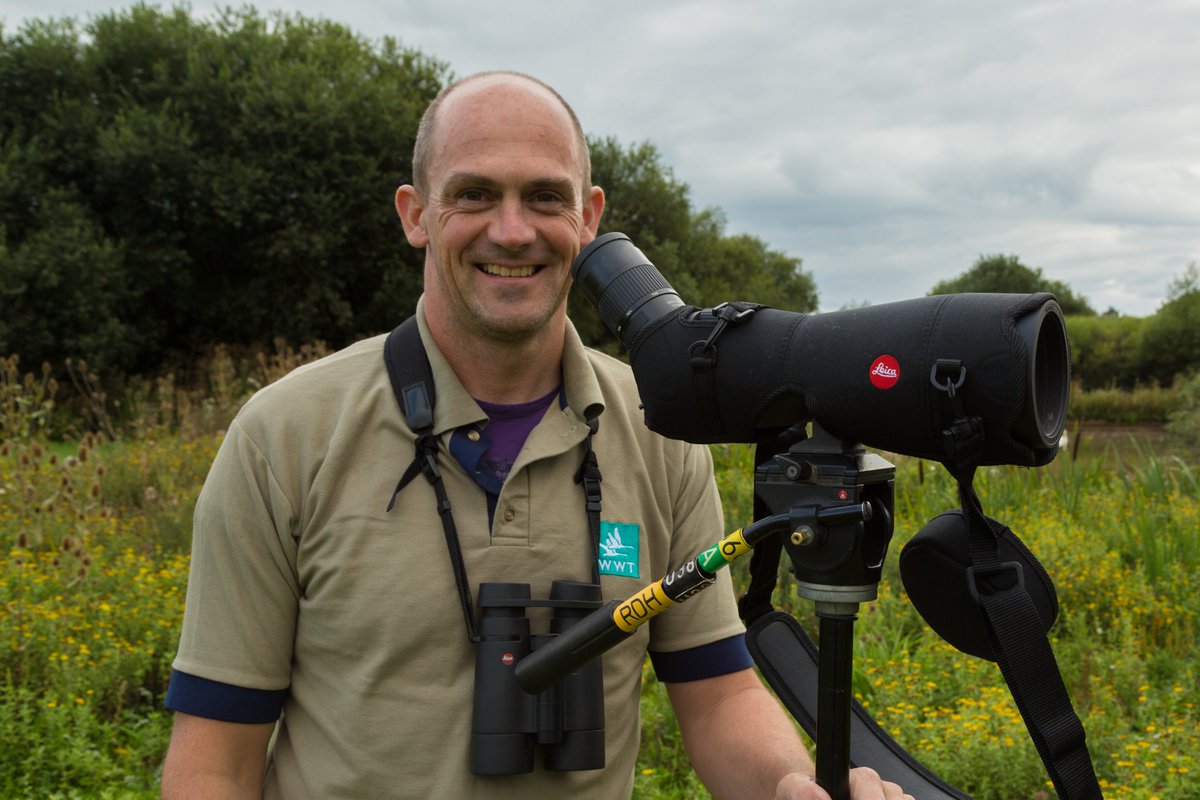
{"x": 619, "y": 548}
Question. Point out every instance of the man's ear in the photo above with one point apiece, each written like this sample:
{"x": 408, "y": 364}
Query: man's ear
{"x": 593, "y": 208}
{"x": 410, "y": 207}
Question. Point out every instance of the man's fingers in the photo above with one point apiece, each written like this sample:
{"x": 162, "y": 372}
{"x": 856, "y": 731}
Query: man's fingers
{"x": 865, "y": 784}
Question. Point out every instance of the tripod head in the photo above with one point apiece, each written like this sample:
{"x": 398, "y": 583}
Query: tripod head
{"x": 839, "y": 500}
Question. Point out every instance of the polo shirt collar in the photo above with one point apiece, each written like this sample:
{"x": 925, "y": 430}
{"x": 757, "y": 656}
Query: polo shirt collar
{"x": 455, "y": 408}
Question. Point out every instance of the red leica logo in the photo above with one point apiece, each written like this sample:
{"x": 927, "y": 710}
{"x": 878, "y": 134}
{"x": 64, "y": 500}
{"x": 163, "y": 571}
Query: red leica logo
{"x": 885, "y": 372}
{"x": 507, "y": 659}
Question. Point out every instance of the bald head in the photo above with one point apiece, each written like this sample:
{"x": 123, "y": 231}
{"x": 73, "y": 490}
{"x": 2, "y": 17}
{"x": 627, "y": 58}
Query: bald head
{"x": 500, "y": 87}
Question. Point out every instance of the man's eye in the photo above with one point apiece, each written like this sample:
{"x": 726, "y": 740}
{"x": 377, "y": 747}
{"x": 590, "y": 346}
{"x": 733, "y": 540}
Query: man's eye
{"x": 471, "y": 196}
{"x": 547, "y": 197}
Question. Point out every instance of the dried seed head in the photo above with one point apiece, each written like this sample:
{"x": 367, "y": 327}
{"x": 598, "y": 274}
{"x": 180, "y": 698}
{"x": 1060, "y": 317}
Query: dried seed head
{"x": 22, "y": 539}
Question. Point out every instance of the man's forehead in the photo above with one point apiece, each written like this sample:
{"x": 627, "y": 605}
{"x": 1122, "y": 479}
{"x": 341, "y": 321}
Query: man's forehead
{"x": 490, "y": 88}
{"x": 504, "y": 118}
{"x": 501, "y": 100}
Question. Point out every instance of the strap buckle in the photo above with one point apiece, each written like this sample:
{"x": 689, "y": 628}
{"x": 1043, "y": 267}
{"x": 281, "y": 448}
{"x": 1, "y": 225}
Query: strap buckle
{"x": 975, "y": 575}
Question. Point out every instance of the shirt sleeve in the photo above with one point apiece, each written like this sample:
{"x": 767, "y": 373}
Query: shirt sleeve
{"x": 201, "y": 697}
{"x": 243, "y": 591}
{"x": 706, "y": 661}
{"x": 711, "y": 615}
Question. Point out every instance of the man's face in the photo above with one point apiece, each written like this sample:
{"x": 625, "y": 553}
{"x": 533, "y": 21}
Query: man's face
{"x": 505, "y": 211}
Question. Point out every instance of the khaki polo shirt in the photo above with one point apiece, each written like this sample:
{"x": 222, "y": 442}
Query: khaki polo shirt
{"x": 302, "y": 580}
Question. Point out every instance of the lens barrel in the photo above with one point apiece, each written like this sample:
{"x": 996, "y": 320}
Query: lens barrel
{"x": 625, "y": 288}
{"x": 1044, "y": 332}
{"x": 503, "y": 717}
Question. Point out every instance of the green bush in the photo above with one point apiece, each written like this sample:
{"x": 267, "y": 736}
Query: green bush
{"x": 1106, "y": 351}
{"x": 1142, "y": 404}
{"x": 1184, "y": 420}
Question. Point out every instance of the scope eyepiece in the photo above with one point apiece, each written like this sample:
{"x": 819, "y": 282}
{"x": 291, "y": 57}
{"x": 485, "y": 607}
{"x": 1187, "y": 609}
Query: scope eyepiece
{"x": 625, "y": 288}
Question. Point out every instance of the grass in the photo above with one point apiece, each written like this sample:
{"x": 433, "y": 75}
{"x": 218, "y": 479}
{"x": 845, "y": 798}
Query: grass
{"x": 95, "y": 534}
{"x": 1116, "y": 527}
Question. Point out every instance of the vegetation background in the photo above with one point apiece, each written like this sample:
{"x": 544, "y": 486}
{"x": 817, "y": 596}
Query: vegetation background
{"x": 190, "y": 209}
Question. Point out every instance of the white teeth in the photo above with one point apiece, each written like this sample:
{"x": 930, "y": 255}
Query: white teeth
{"x": 507, "y": 272}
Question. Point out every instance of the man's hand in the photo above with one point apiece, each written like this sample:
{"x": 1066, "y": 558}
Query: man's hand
{"x": 865, "y": 784}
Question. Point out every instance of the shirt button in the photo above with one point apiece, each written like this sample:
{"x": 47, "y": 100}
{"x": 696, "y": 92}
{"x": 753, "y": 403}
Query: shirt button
{"x": 509, "y": 515}
{"x": 473, "y": 435}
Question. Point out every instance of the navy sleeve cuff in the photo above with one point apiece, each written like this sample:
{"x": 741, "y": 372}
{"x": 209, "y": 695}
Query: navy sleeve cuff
{"x": 706, "y": 661}
{"x": 201, "y": 697}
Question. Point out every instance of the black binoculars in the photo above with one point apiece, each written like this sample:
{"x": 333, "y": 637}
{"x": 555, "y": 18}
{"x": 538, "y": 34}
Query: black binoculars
{"x": 566, "y": 720}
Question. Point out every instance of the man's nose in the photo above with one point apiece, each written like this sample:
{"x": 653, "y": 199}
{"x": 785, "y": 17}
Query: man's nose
{"x": 513, "y": 227}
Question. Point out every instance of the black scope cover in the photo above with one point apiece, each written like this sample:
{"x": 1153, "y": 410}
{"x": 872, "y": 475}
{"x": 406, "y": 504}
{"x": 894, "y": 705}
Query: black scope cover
{"x": 863, "y": 374}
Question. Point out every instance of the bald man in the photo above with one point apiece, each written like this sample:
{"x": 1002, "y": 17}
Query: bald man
{"x": 324, "y": 652}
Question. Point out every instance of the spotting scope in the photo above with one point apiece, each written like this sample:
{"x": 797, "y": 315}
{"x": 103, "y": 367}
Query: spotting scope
{"x": 886, "y": 376}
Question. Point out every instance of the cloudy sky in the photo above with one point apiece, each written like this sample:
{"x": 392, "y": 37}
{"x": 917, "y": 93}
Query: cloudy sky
{"x": 886, "y": 144}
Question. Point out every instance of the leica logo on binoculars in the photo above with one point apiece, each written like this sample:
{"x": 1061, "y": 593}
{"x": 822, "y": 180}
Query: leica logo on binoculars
{"x": 885, "y": 371}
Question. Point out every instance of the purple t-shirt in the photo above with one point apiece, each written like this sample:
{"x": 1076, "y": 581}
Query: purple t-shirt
{"x": 507, "y": 429}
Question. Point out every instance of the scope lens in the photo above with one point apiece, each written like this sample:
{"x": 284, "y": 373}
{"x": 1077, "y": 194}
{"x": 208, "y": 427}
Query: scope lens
{"x": 1045, "y": 413}
{"x": 625, "y": 288}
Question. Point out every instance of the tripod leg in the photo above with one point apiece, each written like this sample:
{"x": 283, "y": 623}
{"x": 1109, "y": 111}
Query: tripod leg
{"x": 835, "y": 669}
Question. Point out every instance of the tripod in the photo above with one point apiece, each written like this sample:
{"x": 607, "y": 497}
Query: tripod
{"x": 838, "y": 500}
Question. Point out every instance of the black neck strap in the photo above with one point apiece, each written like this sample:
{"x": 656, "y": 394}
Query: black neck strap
{"x": 412, "y": 381}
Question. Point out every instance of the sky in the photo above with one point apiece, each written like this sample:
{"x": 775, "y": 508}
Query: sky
{"x": 887, "y": 145}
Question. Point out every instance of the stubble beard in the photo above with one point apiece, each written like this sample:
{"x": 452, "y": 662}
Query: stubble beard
{"x": 498, "y": 328}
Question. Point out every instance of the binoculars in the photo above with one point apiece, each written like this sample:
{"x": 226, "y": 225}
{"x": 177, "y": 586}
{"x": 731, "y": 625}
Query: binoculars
{"x": 566, "y": 720}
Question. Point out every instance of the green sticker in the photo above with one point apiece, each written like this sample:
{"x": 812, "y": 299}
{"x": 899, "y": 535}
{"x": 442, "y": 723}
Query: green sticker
{"x": 619, "y": 548}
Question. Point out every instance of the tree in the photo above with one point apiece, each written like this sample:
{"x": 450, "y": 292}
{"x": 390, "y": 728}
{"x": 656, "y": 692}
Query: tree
{"x": 1171, "y": 341}
{"x": 233, "y": 179}
{"x": 1006, "y": 273}
{"x": 1185, "y": 282}
{"x": 1106, "y": 351}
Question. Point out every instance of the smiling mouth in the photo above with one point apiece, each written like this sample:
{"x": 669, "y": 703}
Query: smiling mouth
{"x": 508, "y": 272}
